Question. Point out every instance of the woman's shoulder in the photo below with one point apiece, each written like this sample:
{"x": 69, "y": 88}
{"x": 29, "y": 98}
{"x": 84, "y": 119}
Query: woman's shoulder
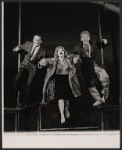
{"x": 70, "y": 56}
{"x": 51, "y": 60}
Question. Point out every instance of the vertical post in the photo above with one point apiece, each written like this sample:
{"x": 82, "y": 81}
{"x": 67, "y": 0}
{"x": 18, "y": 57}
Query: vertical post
{"x": 19, "y": 61}
{"x": 100, "y": 35}
{"x": 19, "y": 43}
{"x": 101, "y": 119}
{"x": 19, "y": 33}
{"x": 40, "y": 117}
{"x": 2, "y": 46}
{"x": 18, "y": 119}
{"x": 16, "y": 123}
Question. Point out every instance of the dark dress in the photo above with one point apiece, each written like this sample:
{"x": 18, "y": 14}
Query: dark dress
{"x": 62, "y": 87}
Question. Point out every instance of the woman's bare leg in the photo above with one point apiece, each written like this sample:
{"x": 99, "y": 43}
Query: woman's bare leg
{"x": 61, "y": 109}
{"x": 67, "y": 114}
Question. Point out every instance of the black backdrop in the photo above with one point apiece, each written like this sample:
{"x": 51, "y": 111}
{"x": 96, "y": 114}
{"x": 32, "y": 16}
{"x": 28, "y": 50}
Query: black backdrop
{"x": 60, "y": 24}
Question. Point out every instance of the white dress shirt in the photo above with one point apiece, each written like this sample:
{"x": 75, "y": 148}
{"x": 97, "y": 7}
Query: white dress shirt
{"x": 34, "y": 51}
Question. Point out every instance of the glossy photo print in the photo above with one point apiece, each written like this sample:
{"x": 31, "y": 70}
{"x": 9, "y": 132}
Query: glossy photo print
{"x": 60, "y": 74}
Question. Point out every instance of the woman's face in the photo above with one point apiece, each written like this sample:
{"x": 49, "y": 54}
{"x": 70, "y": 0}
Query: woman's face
{"x": 60, "y": 52}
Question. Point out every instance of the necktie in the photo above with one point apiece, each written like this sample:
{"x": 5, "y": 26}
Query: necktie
{"x": 33, "y": 51}
{"x": 87, "y": 50}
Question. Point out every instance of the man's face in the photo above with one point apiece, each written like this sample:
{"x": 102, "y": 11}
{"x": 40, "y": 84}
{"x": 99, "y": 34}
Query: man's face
{"x": 37, "y": 40}
{"x": 60, "y": 52}
{"x": 85, "y": 38}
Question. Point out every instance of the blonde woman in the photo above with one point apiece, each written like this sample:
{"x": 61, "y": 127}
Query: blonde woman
{"x": 61, "y": 80}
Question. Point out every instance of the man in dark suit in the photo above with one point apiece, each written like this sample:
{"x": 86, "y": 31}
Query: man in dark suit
{"x": 33, "y": 54}
{"x": 90, "y": 70}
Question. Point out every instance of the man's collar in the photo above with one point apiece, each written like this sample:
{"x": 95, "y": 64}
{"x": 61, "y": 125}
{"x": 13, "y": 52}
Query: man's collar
{"x": 36, "y": 45}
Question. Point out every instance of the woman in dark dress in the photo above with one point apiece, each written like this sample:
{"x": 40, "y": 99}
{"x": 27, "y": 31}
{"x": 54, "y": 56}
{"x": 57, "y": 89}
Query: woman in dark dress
{"x": 61, "y": 80}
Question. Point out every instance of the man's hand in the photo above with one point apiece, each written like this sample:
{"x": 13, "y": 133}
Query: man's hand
{"x": 42, "y": 62}
{"x": 104, "y": 41}
{"x": 76, "y": 59}
{"x": 86, "y": 45}
{"x": 16, "y": 49}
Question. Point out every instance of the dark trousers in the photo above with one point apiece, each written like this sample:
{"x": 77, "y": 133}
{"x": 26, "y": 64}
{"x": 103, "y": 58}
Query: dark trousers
{"x": 19, "y": 79}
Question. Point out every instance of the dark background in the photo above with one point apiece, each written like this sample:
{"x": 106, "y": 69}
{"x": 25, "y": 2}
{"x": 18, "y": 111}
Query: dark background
{"x": 60, "y": 24}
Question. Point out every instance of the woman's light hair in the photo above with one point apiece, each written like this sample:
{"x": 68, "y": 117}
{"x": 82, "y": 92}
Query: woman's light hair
{"x": 56, "y": 51}
{"x": 85, "y": 32}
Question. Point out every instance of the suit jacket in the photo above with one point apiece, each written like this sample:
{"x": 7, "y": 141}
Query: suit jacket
{"x": 87, "y": 66}
{"x": 95, "y": 51}
{"x": 27, "y": 48}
